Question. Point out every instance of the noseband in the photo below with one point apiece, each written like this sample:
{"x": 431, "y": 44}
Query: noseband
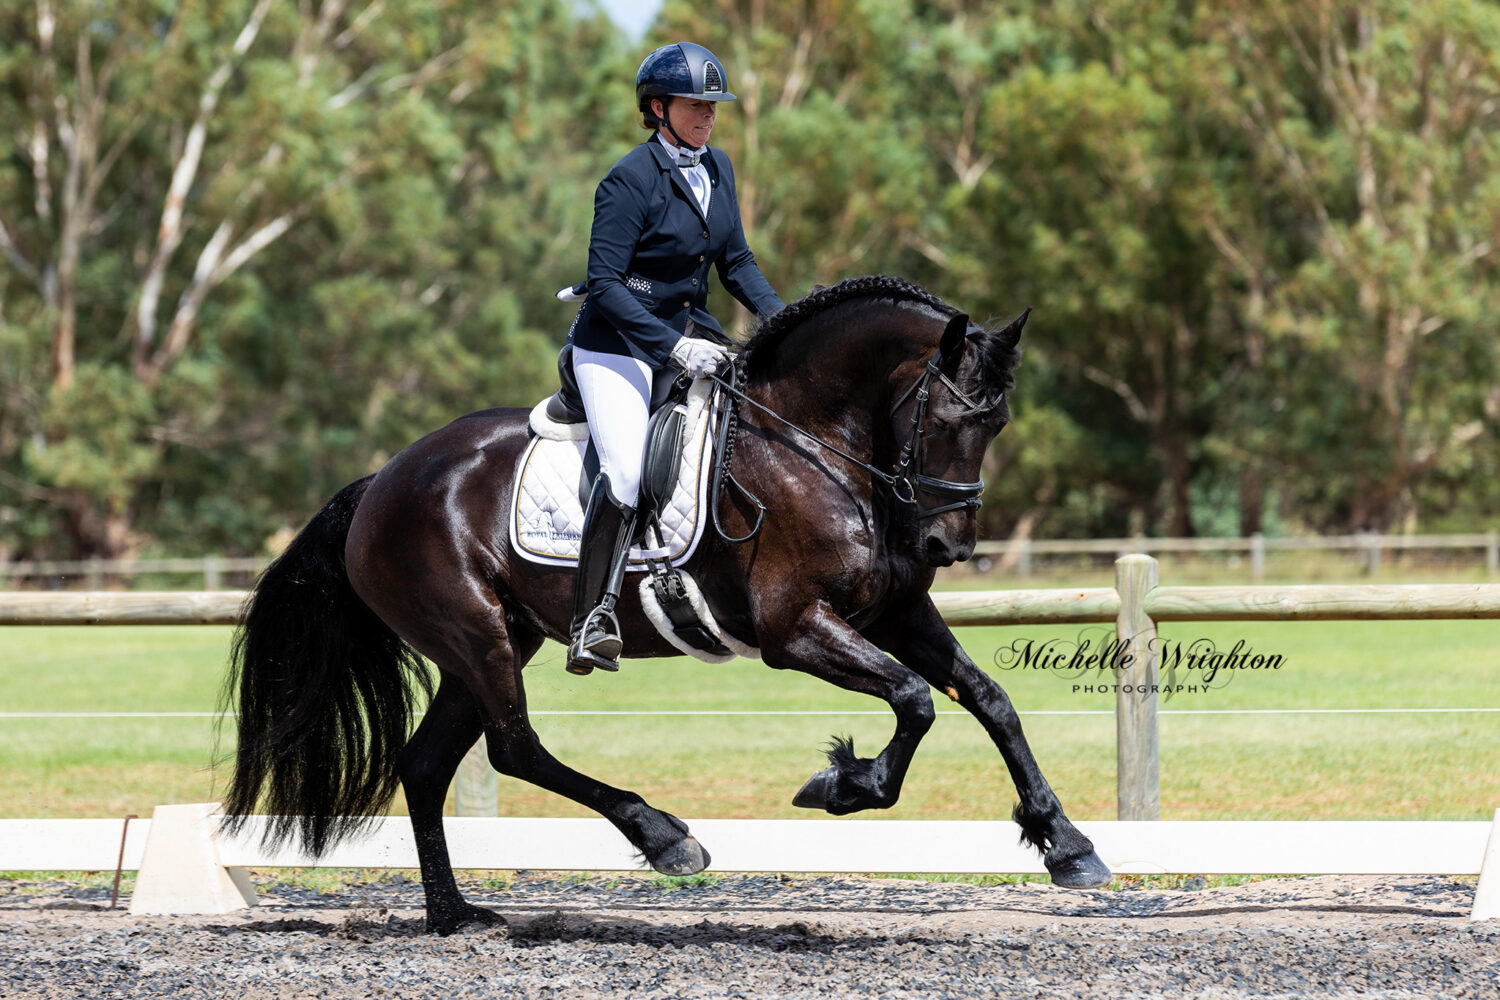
{"x": 905, "y": 480}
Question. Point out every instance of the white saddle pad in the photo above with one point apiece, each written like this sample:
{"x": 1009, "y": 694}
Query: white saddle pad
{"x": 546, "y": 521}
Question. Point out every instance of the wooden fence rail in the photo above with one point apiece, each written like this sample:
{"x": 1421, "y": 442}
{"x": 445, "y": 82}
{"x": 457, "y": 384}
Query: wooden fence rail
{"x": 1135, "y": 604}
{"x": 94, "y": 571}
{"x": 1020, "y": 551}
{"x": 213, "y": 568}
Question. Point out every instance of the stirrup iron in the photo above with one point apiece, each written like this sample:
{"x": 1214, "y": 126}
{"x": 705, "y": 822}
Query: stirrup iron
{"x": 596, "y": 644}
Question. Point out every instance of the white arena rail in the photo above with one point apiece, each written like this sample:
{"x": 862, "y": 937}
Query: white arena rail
{"x": 184, "y": 866}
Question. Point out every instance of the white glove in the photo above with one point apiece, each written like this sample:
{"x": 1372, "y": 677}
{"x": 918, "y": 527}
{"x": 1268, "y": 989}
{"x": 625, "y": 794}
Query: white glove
{"x": 698, "y": 357}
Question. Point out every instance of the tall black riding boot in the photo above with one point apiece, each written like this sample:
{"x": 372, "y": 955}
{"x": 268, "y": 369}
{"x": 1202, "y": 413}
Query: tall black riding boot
{"x": 608, "y": 526}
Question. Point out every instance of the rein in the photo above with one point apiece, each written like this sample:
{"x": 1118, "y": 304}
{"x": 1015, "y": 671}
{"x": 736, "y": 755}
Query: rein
{"x": 904, "y": 481}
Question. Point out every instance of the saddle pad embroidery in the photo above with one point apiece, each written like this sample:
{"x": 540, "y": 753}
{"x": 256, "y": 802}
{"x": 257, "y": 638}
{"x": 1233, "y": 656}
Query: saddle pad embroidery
{"x": 546, "y": 519}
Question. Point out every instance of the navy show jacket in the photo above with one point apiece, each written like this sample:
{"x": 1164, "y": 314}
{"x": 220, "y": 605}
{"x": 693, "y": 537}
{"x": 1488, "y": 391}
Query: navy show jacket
{"x": 650, "y": 252}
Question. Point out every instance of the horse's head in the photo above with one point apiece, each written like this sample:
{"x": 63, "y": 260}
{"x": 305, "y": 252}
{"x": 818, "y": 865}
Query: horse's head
{"x": 948, "y": 419}
{"x": 884, "y": 368}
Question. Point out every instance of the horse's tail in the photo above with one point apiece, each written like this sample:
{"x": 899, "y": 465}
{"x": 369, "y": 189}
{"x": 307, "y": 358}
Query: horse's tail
{"x": 326, "y": 693}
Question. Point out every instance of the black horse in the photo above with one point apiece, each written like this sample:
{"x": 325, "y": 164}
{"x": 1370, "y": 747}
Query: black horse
{"x": 416, "y": 562}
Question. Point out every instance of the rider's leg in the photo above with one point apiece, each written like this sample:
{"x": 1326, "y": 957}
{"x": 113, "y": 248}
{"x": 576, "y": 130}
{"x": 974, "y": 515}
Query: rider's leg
{"x": 616, "y": 393}
{"x": 607, "y": 529}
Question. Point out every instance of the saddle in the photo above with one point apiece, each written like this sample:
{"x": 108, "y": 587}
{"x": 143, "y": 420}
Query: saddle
{"x": 677, "y": 469}
{"x": 564, "y": 408}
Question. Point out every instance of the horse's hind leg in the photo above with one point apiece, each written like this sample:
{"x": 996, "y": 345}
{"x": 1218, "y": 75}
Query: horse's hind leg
{"x": 515, "y": 749}
{"x": 427, "y": 765}
{"x": 431, "y": 757}
{"x": 923, "y": 641}
{"x": 486, "y": 652}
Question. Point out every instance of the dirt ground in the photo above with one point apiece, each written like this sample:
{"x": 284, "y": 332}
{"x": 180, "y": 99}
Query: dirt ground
{"x": 764, "y": 936}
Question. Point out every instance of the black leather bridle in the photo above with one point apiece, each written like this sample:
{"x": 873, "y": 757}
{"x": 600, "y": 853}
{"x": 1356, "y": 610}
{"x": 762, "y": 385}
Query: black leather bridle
{"x": 905, "y": 481}
{"x": 963, "y": 495}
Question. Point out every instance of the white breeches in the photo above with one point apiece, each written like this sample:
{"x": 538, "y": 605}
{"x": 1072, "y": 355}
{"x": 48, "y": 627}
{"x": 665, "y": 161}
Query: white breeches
{"x": 616, "y": 394}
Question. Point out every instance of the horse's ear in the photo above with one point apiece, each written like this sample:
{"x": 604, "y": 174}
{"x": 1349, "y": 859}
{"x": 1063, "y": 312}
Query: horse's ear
{"x": 952, "y": 347}
{"x": 1010, "y": 334}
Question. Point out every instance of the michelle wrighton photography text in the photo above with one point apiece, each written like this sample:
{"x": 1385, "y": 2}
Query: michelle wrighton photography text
{"x": 1094, "y": 659}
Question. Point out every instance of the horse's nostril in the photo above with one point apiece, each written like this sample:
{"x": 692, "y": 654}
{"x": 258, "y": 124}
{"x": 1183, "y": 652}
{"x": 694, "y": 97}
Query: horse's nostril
{"x": 938, "y": 553}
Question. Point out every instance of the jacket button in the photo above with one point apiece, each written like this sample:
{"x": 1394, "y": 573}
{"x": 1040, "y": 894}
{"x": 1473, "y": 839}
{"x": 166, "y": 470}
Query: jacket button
{"x": 700, "y": 258}
{"x": 695, "y": 281}
{"x": 687, "y": 305}
{"x": 705, "y": 234}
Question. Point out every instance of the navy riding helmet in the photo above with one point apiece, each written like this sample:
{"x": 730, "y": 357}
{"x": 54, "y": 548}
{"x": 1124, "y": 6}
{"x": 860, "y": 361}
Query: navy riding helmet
{"x": 680, "y": 70}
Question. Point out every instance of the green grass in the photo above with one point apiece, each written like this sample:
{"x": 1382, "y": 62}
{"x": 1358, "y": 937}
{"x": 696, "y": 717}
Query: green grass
{"x": 1302, "y": 766}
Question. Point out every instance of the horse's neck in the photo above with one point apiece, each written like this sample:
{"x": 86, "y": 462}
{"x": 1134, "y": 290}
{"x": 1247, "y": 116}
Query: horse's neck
{"x": 839, "y": 379}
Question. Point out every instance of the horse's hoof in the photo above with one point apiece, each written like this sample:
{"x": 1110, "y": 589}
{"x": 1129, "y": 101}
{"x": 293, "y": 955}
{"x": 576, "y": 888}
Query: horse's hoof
{"x": 815, "y": 792}
{"x": 1085, "y": 872}
{"x": 686, "y": 857}
{"x": 465, "y": 916}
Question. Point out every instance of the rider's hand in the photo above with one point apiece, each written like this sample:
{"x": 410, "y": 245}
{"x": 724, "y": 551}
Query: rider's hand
{"x": 698, "y": 357}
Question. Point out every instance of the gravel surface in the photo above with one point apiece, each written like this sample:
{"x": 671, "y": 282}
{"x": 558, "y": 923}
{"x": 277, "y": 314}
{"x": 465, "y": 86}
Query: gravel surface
{"x": 769, "y": 937}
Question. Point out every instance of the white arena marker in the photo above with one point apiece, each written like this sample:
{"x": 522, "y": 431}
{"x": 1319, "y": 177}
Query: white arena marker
{"x": 181, "y": 871}
{"x": 1487, "y": 893}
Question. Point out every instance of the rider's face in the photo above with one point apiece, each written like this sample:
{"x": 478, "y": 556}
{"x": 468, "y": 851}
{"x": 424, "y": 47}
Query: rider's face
{"x": 693, "y": 120}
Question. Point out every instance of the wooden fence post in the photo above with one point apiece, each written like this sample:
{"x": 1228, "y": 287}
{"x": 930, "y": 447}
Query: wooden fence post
{"x": 476, "y": 789}
{"x": 1138, "y": 777}
{"x": 1257, "y": 557}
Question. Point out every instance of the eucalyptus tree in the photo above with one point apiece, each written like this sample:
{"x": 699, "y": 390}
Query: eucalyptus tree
{"x": 1365, "y": 253}
{"x": 244, "y": 239}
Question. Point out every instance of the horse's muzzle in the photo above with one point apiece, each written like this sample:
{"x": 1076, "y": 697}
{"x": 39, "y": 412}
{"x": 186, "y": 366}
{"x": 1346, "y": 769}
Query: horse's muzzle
{"x": 937, "y": 551}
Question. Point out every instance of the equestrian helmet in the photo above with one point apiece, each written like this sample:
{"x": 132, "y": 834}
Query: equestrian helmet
{"x": 682, "y": 69}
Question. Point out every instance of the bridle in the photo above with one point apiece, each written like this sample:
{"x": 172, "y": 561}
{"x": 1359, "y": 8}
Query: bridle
{"x": 905, "y": 480}
{"x": 963, "y": 495}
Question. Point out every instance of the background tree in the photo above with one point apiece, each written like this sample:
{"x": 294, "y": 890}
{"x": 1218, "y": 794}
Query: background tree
{"x": 256, "y": 235}
{"x": 1365, "y": 256}
{"x": 248, "y": 249}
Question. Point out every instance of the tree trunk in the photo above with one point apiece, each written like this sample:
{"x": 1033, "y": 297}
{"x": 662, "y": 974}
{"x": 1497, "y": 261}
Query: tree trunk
{"x": 1179, "y": 469}
{"x": 1252, "y": 501}
{"x": 95, "y": 532}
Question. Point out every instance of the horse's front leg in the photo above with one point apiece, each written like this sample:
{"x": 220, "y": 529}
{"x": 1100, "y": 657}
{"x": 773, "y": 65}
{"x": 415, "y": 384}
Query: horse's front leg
{"x": 824, "y": 645}
{"x": 922, "y": 640}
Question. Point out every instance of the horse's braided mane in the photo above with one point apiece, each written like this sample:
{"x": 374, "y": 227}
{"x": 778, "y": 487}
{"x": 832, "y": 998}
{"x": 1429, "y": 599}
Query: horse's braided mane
{"x": 773, "y": 329}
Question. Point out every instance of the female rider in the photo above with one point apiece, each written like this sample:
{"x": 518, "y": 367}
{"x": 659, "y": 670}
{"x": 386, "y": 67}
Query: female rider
{"x": 662, "y": 215}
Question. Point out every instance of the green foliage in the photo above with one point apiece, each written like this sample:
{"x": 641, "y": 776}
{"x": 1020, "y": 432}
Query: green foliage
{"x": 365, "y": 249}
{"x": 100, "y": 428}
{"x": 1258, "y": 235}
